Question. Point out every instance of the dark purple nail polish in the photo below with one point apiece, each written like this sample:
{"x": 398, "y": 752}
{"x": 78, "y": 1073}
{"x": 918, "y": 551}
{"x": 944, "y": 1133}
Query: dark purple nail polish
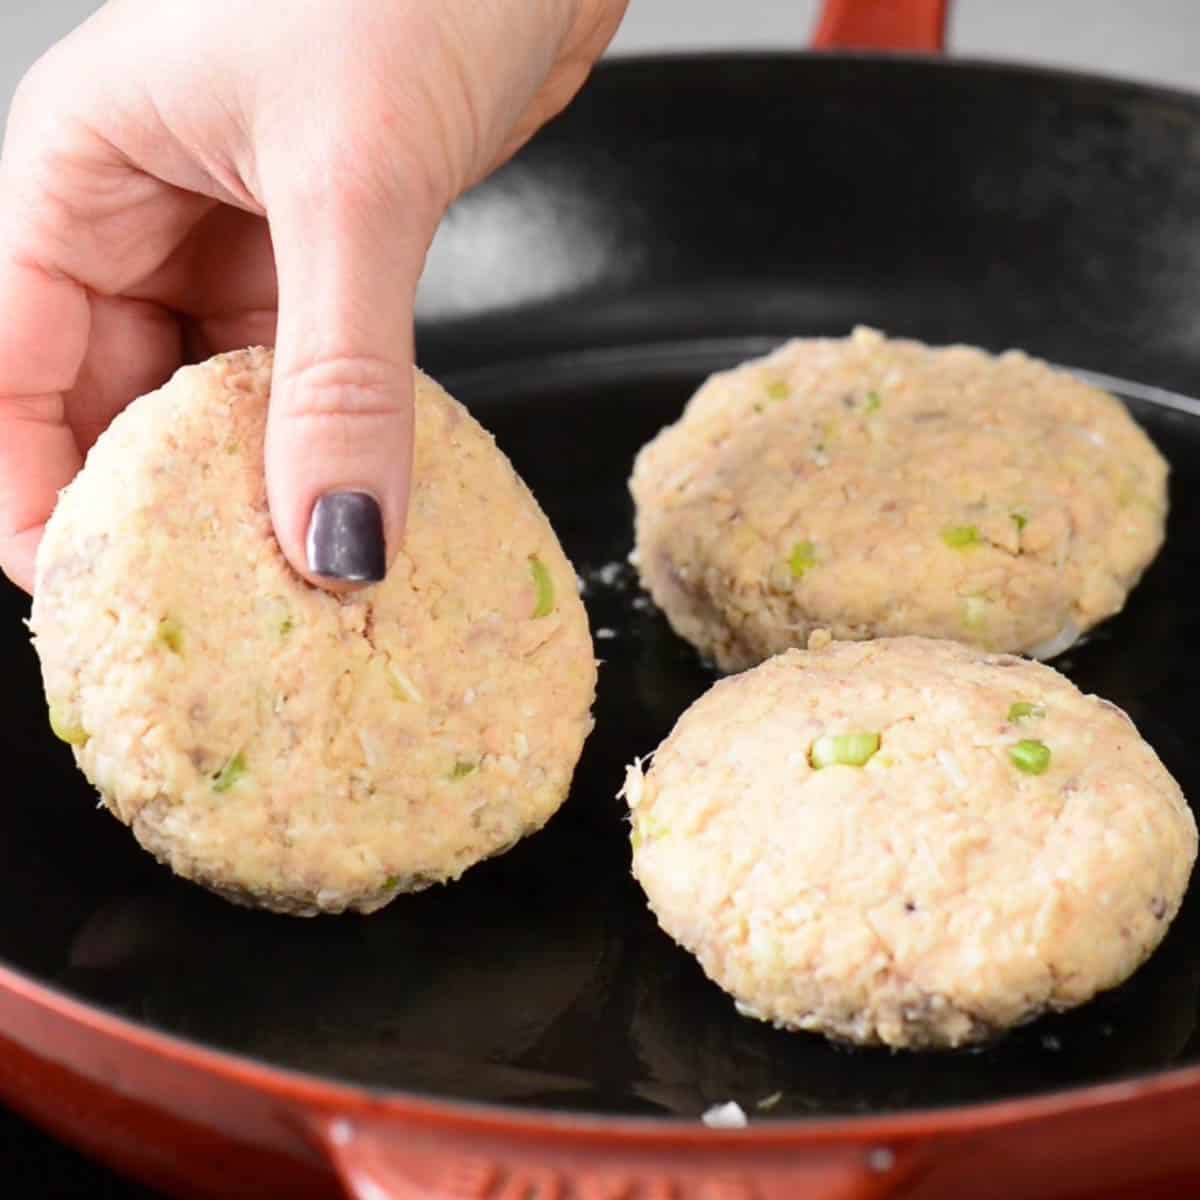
{"x": 345, "y": 538}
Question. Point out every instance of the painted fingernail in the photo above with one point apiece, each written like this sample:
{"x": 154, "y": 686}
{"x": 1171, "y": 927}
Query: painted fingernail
{"x": 345, "y": 538}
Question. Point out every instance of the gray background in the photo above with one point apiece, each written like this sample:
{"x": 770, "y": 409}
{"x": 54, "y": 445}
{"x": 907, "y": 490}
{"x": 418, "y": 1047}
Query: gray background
{"x": 1156, "y": 40}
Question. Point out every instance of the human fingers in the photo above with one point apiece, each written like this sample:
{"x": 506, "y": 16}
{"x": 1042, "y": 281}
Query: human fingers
{"x": 339, "y": 432}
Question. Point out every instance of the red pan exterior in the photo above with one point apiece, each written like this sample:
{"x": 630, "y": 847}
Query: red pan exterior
{"x": 201, "y": 1124}
{"x": 911, "y": 25}
{"x": 211, "y": 1126}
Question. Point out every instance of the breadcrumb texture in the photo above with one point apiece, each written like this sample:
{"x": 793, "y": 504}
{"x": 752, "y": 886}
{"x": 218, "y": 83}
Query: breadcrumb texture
{"x": 935, "y": 895}
{"x": 283, "y": 746}
{"x": 880, "y": 487}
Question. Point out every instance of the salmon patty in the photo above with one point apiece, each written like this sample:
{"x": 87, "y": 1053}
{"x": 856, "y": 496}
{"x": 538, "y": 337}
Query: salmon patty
{"x": 909, "y": 842}
{"x": 286, "y": 747}
{"x": 879, "y": 487}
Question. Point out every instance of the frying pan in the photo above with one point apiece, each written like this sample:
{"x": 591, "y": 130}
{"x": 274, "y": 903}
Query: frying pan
{"x": 528, "y": 1033}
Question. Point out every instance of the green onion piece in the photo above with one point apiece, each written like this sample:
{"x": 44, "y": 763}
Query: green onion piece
{"x": 543, "y": 585}
{"x": 463, "y": 769}
{"x": 1022, "y": 710}
{"x": 1029, "y": 756}
{"x": 170, "y": 634}
{"x": 802, "y": 558}
{"x": 975, "y": 612}
{"x": 843, "y": 749}
{"x": 1019, "y": 519}
{"x": 646, "y": 828}
{"x": 286, "y": 626}
{"x": 960, "y": 537}
{"x": 73, "y": 735}
{"x": 778, "y": 389}
{"x": 402, "y": 687}
{"x": 392, "y": 882}
{"x": 874, "y": 402}
{"x": 230, "y": 773}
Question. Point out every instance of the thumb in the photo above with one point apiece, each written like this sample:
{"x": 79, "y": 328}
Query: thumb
{"x": 340, "y": 425}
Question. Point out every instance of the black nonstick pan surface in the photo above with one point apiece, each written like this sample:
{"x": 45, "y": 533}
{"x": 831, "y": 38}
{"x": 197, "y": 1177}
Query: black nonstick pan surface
{"x": 682, "y": 216}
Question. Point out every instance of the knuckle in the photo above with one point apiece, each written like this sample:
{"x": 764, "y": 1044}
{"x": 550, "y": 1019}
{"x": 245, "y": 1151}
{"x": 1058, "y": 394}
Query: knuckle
{"x": 341, "y": 189}
{"x": 40, "y": 92}
{"x": 37, "y": 409}
{"x": 343, "y": 171}
{"x": 343, "y": 385}
{"x": 31, "y": 90}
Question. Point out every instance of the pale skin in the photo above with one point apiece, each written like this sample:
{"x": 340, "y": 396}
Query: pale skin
{"x": 185, "y": 177}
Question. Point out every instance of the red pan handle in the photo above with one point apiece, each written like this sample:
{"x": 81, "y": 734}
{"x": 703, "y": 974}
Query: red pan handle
{"x": 882, "y": 25}
{"x": 376, "y": 1160}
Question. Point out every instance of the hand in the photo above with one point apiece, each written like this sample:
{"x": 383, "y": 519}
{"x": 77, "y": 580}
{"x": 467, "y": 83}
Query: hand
{"x": 187, "y": 177}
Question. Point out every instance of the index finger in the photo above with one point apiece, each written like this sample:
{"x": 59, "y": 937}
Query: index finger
{"x": 44, "y": 323}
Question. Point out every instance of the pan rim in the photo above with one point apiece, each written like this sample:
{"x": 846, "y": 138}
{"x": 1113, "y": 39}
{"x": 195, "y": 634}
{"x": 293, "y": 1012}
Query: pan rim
{"x": 333, "y": 1098}
{"x": 602, "y": 359}
{"x": 950, "y": 62}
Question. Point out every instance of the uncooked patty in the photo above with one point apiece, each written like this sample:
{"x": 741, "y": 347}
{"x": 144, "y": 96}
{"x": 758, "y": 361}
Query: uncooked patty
{"x": 284, "y": 746}
{"x": 879, "y": 488}
{"x": 1005, "y": 844}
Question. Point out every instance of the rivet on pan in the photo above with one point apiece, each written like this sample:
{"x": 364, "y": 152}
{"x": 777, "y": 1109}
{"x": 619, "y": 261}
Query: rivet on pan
{"x": 880, "y": 1159}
